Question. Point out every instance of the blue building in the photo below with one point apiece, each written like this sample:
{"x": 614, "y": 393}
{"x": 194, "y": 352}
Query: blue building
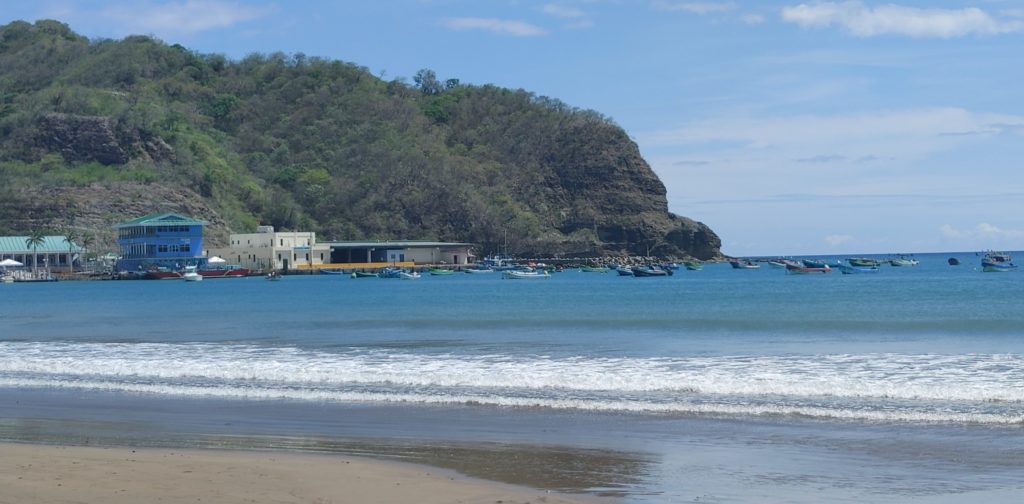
{"x": 160, "y": 240}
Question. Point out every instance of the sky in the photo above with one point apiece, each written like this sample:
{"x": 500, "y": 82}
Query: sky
{"x": 789, "y": 127}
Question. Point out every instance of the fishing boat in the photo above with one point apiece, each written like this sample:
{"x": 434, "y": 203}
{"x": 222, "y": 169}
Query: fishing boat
{"x": 863, "y": 262}
{"x": 650, "y": 271}
{"x": 693, "y": 265}
{"x": 474, "y": 271}
{"x": 408, "y": 275}
{"x": 902, "y": 261}
{"x": 331, "y": 271}
{"x": 997, "y": 262}
{"x": 524, "y": 275}
{"x": 625, "y": 271}
{"x": 796, "y": 269}
{"x": 191, "y": 275}
{"x": 364, "y": 274}
{"x": 744, "y": 264}
{"x": 594, "y": 269}
{"x": 777, "y": 263}
{"x": 953, "y": 261}
{"x": 813, "y": 263}
{"x": 162, "y": 273}
{"x": 273, "y": 276}
{"x": 440, "y": 271}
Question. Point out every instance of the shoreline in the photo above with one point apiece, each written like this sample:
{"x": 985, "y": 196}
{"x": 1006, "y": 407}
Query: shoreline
{"x": 40, "y": 473}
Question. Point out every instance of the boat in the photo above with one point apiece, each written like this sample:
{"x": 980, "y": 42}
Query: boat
{"x": 7, "y": 279}
{"x": 863, "y": 262}
{"x": 440, "y": 271}
{"x": 390, "y": 272}
{"x": 693, "y": 265}
{"x": 777, "y": 263}
{"x": 364, "y": 274}
{"x": 594, "y": 269}
{"x": 408, "y": 275}
{"x": 331, "y": 271}
{"x": 625, "y": 271}
{"x": 953, "y": 261}
{"x": 523, "y": 274}
{"x": 813, "y": 263}
{"x": 650, "y": 271}
{"x": 903, "y": 261}
{"x": 479, "y": 270}
{"x": 191, "y": 275}
{"x": 272, "y": 276}
{"x": 796, "y": 269}
{"x": 744, "y": 264}
{"x": 851, "y": 270}
{"x": 997, "y": 262}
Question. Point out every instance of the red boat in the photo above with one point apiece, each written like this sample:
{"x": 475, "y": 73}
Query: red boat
{"x": 230, "y": 271}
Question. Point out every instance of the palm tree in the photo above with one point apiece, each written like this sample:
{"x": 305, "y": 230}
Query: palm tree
{"x": 70, "y": 235}
{"x": 34, "y": 240}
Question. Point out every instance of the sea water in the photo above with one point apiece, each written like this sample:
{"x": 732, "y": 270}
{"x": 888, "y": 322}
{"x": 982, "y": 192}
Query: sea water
{"x": 736, "y": 385}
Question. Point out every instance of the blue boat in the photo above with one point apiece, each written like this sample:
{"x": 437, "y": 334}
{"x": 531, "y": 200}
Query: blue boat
{"x": 997, "y": 262}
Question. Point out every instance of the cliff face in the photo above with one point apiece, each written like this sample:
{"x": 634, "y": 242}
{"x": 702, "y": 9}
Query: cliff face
{"x": 93, "y": 133}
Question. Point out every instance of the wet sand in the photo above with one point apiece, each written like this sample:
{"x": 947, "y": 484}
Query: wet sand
{"x": 74, "y": 474}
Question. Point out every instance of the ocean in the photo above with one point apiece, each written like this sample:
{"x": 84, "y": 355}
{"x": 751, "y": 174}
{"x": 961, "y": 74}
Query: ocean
{"x": 718, "y": 385}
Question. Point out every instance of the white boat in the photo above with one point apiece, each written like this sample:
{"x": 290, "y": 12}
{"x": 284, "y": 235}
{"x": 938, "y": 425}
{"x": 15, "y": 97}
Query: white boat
{"x": 479, "y": 270}
{"x": 522, "y": 275}
{"x": 191, "y": 275}
{"x": 408, "y": 275}
{"x": 903, "y": 261}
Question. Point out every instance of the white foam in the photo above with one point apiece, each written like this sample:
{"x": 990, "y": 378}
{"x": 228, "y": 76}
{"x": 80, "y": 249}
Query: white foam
{"x": 996, "y": 378}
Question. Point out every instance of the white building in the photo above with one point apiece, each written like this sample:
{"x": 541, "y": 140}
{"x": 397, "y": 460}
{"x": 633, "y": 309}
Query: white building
{"x": 266, "y": 249}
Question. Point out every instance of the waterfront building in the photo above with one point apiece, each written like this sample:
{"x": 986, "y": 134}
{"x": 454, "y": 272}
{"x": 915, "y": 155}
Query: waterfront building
{"x": 160, "y": 240}
{"x": 54, "y": 253}
{"x": 415, "y": 252}
{"x": 268, "y": 249}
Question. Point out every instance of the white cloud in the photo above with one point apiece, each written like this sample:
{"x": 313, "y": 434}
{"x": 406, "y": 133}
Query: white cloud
{"x": 864, "y": 21}
{"x": 502, "y": 26}
{"x": 983, "y": 231}
{"x": 695, "y": 7}
{"x": 752, "y": 19}
{"x": 561, "y": 11}
{"x": 879, "y": 133}
{"x": 189, "y": 16}
{"x": 837, "y": 239}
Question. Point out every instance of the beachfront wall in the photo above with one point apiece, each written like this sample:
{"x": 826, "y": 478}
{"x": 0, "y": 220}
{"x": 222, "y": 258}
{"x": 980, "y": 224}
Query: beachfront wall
{"x": 54, "y": 253}
{"x": 160, "y": 241}
{"x": 401, "y": 252}
{"x": 266, "y": 249}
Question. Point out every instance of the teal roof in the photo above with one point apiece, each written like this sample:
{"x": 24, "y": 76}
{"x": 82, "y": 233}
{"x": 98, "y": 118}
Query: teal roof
{"x": 162, "y": 219}
{"x": 51, "y": 244}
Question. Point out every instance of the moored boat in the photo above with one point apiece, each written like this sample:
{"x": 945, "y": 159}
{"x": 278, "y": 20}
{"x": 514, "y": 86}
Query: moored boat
{"x": 273, "y": 276}
{"x": 693, "y": 265}
{"x": 594, "y": 269}
{"x": 523, "y": 275}
{"x": 191, "y": 275}
{"x": 408, "y": 275}
{"x": 902, "y": 261}
{"x": 997, "y": 262}
{"x": 440, "y": 271}
{"x": 479, "y": 270}
{"x": 331, "y": 271}
{"x": 814, "y": 263}
{"x": 863, "y": 261}
{"x": 800, "y": 270}
{"x": 162, "y": 273}
{"x": 744, "y": 264}
{"x": 650, "y": 271}
{"x": 625, "y": 271}
{"x": 364, "y": 274}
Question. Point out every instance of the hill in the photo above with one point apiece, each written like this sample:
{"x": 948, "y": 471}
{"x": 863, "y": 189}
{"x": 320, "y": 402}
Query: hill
{"x": 94, "y": 132}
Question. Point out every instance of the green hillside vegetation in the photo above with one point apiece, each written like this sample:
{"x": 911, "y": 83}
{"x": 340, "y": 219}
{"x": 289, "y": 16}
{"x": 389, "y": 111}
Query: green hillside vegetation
{"x": 305, "y": 143}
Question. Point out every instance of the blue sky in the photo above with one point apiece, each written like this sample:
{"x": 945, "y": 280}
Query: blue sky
{"x": 789, "y": 127}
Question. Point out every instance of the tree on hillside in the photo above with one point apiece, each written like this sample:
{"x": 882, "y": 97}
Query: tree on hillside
{"x": 427, "y": 81}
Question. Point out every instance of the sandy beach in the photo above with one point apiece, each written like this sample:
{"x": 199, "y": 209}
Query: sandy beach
{"x": 73, "y": 474}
